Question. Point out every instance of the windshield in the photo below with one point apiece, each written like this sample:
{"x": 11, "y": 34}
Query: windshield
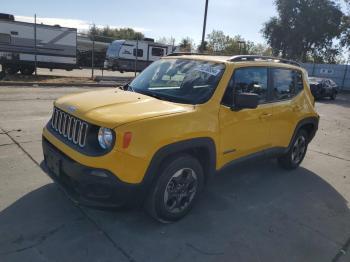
{"x": 179, "y": 80}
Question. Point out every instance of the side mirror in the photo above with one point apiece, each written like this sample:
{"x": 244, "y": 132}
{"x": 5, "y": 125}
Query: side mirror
{"x": 245, "y": 100}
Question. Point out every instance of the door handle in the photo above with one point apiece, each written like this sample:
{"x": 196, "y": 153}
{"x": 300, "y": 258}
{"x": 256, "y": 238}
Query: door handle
{"x": 265, "y": 116}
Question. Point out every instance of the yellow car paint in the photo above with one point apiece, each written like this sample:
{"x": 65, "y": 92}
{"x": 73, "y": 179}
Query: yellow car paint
{"x": 154, "y": 123}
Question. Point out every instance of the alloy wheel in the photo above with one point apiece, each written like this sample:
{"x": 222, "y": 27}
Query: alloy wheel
{"x": 298, "y": 149}
{"x": 180, "y": 190}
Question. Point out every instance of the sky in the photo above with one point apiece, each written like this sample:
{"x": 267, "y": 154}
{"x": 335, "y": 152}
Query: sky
{"x": 155, "y": 18}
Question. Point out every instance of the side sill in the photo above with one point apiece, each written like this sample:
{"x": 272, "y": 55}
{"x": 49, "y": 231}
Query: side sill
{"x": 267, "y": 153}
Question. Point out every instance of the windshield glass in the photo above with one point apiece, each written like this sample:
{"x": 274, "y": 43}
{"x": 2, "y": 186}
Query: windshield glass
{"x": 179, "y": 80}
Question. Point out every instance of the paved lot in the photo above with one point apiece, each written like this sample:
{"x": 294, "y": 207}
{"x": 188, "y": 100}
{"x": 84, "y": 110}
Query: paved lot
{"x": 252, "y": 212}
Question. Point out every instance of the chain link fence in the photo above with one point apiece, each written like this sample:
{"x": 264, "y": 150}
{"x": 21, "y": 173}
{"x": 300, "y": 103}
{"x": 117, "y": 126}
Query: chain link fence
{"x": 340, "y": 74}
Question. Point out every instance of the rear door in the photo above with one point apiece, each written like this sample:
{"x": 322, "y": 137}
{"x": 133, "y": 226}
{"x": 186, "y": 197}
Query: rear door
{"x": 288, "y": 104}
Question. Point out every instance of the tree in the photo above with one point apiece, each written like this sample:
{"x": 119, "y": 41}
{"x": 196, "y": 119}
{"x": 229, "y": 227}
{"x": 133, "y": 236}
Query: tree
{"x": 345, "y": 38}
{"x": 186, "y": 45}
{"x": 303, "y": 28}
{"x": 166, "y": 40}
{"x": 107, "y": 34}
{"x": 221, "y": 44}
{"x": 261, "y": 49}
{"x": 217, "y": 41}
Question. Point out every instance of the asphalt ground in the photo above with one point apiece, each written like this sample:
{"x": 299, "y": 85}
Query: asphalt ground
{"x": 251, "y": 212}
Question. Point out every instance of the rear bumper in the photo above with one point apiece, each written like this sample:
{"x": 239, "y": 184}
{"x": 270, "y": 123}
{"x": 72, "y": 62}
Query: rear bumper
{"x": 89, "y": 186}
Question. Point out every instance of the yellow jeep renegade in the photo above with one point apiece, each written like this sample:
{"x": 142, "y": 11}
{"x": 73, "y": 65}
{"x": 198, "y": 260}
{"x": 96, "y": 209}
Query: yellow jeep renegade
{"x": 155, "y": 141}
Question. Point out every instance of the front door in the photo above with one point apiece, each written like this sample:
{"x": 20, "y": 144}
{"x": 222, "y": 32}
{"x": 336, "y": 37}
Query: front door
{"x": 245, "y": 132}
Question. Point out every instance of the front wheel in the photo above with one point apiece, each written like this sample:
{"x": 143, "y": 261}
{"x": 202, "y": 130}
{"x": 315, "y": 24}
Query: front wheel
{"x": 296, "y": 152}
{"x": 334, "y": 95}
{"x": 176, "y": 190}
{"x": 10, "y": 69}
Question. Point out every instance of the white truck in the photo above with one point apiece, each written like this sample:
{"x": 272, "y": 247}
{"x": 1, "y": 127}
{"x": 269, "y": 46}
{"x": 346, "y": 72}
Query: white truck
{"x": 56, "y": 46}
{"x": 132, "y": 55}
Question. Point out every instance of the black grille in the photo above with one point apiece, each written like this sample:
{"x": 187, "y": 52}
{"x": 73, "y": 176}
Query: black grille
{"x": 69, "y": 127}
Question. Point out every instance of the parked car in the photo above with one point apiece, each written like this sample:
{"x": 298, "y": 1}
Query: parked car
{"x": 156, "y": 141}
{"x": 323, "y": 87}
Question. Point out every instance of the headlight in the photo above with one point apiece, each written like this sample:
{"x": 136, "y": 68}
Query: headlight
{"x": 105, "y": 137}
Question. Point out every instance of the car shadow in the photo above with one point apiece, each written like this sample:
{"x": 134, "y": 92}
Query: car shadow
{"x": 342, "y": 99}
{"x": 253, "y": 211}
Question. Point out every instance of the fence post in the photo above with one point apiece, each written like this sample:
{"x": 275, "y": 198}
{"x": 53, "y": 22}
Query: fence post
{"x": 93, "y": 57}
{"x": 136, "y": 53}
{"x": 345, "y": 72}
{"x": 313, "y": 69}
{"x": 35, "y": 48}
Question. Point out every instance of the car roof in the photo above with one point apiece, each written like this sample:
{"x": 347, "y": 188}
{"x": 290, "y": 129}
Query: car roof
{"x": 243, "y": 60}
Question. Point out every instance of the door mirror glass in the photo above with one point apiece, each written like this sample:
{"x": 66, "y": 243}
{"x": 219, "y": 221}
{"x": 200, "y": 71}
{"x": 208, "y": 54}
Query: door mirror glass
{"x": 245, "y": 100}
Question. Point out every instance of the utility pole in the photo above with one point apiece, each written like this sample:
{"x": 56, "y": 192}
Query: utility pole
{"x": 93, "y": 57}
{"x": 204, "y": 25}
{"x": 136, "y": 53}
{"x": 35, "y": 48}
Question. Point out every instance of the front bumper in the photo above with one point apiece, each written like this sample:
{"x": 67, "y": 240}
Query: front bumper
{"x": 89, "y": 186}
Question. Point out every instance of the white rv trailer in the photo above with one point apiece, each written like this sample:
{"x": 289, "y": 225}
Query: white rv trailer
{"x": 55, "y": 46}
{"x": 121, "y": 54}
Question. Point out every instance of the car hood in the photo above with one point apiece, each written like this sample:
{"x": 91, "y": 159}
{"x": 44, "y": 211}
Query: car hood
{"x": 113, "y": 107}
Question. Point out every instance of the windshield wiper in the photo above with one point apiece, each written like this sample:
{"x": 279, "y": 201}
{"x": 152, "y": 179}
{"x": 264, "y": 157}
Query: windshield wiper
{"x": 127, "y": 87}
{"x": 163, "y": 97}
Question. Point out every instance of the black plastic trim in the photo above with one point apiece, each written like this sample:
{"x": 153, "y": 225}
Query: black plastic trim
{"x": 87, "y": 189}
{"x": 266, "y": 153}
{"x": 248, "y": 58}
{"x": 92, "y": 147}
{"x": 309, "y": 120}
{"x": 163, "y": 153}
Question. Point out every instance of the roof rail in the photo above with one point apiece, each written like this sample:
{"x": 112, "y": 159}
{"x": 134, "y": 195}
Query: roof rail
{"x": 242, "y": 58}
{"x": 184, "y": 53}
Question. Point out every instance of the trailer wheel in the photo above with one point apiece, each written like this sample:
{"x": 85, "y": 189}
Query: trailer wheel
{"x": 27, "y": 70}
{"x": 10, "y": 69}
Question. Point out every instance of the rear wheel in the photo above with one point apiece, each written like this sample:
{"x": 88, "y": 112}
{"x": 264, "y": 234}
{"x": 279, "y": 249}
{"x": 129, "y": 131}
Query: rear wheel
{"x": 297, "y": 151}
{"x": 27, "y": 70}
{"x": 173, "y": 195}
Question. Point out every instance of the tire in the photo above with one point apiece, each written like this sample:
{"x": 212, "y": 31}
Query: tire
{"x": 27, "y": 70}
{"x": 295, "y": 155}
{"x": 181, "y": 176}
{"x": 333, "y": 96}
{"x": 10, "y": 69}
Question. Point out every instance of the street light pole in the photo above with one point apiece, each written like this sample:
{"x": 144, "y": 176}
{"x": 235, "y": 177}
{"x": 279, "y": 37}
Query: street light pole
{"x": 35, "y": 49}
{"x": 204, "y": 25}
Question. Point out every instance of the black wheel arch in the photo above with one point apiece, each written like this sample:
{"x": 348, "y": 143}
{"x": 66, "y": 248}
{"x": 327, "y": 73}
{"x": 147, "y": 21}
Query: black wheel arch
{"x": 310, "y": 124}
{"x": 202, "y": 148}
